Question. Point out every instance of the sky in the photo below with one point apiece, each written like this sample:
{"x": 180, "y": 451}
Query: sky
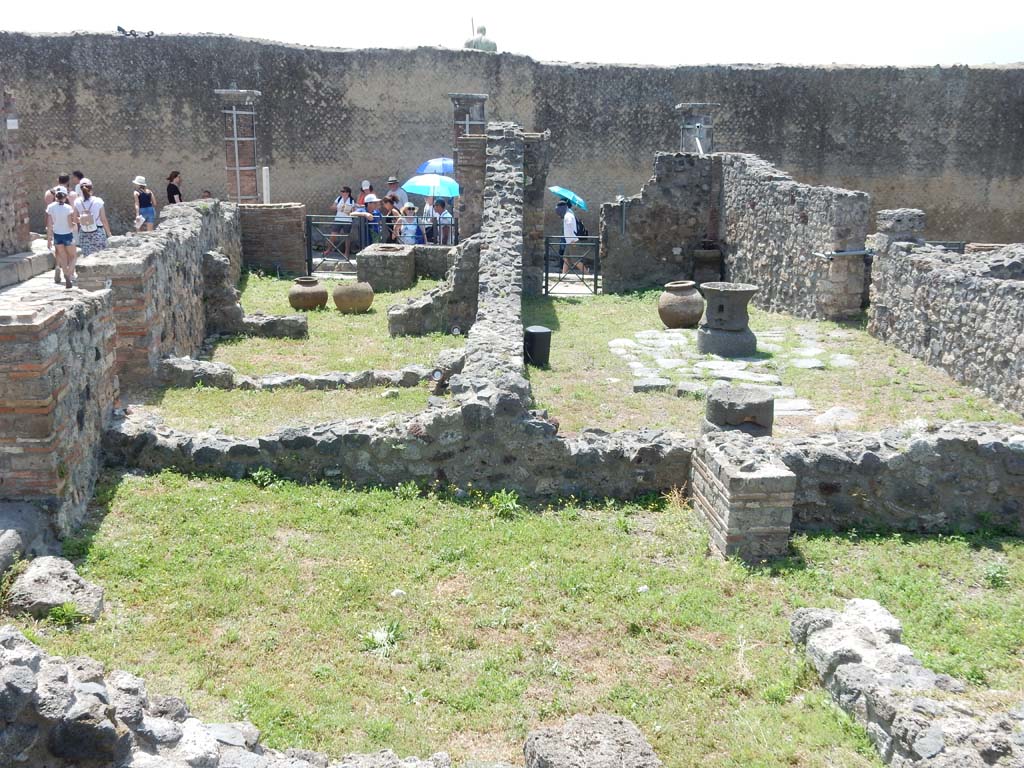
{"x": 857, "y": 32}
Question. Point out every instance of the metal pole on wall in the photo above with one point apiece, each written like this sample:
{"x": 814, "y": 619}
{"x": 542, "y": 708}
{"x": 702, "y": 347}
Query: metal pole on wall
{"x": 266, "y": 185}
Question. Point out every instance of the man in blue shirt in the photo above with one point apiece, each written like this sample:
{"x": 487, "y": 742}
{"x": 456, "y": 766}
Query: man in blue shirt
{"x": 369, "y": 216}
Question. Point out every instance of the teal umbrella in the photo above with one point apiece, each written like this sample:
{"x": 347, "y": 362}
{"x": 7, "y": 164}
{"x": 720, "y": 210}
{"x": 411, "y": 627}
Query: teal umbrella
{"x": 572, "y": 197}
{"x": 432, "y": 184}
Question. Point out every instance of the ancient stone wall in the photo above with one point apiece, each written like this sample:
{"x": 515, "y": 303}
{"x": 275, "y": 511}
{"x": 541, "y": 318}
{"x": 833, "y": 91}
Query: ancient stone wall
{"x": 914, "y": 717}
{"x": 13, "y": 230}
{"x": 649, "y": 239}
{"x": 783, "y": 237}
{"x": 157, "y": 283}
{"x": 446, "y": 307}
{"x": 963, "y": 314}
{"x": 57, "y": 392}
{"x": 274, "y": 237}
{"x": 897, "y": 133}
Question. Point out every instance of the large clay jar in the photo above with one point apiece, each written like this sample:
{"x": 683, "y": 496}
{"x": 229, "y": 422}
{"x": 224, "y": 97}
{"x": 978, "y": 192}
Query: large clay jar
{"x": 680, "y": 306}
{"x": 353, "y": 298}
{"x": 307, "y": 293}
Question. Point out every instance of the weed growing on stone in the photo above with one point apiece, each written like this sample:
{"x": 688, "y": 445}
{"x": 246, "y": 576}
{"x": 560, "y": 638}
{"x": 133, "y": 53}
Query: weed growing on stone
{"x": 66, "y": 616}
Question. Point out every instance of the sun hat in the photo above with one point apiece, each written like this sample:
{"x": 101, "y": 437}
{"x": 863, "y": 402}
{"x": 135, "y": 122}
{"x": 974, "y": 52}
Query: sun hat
{"x": 409, "y": 207}
{"x": 139, "y": 180}
{"x": 371, "y": 198}
{"x": 392, "y": 179}
{"x": 60, "y": 188}
{"x": 85, "y": 183}
{"x": 365, "y": 184}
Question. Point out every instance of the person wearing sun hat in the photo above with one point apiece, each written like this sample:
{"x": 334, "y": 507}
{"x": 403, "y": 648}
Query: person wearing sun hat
{"x": 398, "y": 192}
{"x": 145, "y": 204}
{"x": 365, "y": 188}
{"x": 369, "y": 213}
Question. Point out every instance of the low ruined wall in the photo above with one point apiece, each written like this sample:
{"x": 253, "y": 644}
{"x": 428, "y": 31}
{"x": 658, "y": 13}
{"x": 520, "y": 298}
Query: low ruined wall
{"x": 274, "y": 237}
{"x": 963, "y": 314}
{"x": 445, "y": 307}
{"x": 913, "y": 716}
{"x": 771, "y": 229}
{"x": 648, "y": 239}
{"x": 57, "y": 392}
{"x": 157, "y": 284}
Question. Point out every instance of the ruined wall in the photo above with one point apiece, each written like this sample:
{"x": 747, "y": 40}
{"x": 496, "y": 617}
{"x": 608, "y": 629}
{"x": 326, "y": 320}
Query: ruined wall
{"x": 771, "y": 229}
{"x": 649, "y": 239}
{"x": 447, "y": 306}
{"x": 13, "y": 232}
{"x": 897, "y": 133}
{"x": 156, "y": 279}
{"x": 963, "y": 314}
{"x": 57, "y": 392}
{"x": 274, "y": 237}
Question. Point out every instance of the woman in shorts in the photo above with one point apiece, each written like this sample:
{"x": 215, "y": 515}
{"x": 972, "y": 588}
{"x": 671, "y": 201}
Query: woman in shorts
{"x": 145, "y": 204}
{"x": 342, "y": 225}
{"x": 60, "y": 223}
{"x": 93, "y": 226}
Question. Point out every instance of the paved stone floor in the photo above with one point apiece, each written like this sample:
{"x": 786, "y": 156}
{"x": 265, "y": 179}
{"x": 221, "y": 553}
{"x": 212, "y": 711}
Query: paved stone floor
{"x": 667, "y": 359}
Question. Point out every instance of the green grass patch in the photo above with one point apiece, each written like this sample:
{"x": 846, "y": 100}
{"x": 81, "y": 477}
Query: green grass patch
{"x": 278, "y": 602}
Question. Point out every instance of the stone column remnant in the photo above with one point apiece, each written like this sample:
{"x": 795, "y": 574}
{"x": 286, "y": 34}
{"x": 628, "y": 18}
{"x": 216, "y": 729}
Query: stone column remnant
{"x": 746, "y": 409}
{"x": 726, "y": 327}
{"x": 238, "y": 109}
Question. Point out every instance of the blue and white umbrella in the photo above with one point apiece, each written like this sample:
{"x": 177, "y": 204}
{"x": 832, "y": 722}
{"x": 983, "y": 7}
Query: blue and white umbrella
{"x": 440, "y": 165}
{"x": 572, "y": 197}
{"x": 432, "y": 184}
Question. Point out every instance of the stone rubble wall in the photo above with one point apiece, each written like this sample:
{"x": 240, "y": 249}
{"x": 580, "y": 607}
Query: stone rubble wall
{"x": 57, "y": 394}
{"x": 72, "y": 713}
{"x": 274, "y": 237}
{"x": 648, "y": 239}
{"x": 13, "y": 231}
{"x": 955, "y": 477}
{"x": 963, "y": 314}
{"x": 771, "y": 229}
{"x": 914, "y": 717}
{"x": 157, "y": 283}
{"x": 387, "y": 267}
{"x": 447, "y": 306}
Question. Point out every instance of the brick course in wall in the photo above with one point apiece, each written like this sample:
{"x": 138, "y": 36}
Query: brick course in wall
{"x": 57, "y": 392}
{"x": 274, "y": 236}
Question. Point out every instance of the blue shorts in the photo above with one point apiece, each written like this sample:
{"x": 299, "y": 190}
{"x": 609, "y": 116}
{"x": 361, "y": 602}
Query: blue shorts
{"x": 149, "y": 214}
{"x": 67, "y": 239}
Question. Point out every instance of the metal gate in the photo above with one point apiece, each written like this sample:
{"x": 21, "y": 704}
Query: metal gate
{"x": 572, "y": 269}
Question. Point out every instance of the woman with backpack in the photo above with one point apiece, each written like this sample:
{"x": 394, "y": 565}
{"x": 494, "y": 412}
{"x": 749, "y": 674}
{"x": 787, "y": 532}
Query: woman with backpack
{"x": 93, "y": 227}
{"x": 60, "y": 222}
{"x": 145, "y": 204}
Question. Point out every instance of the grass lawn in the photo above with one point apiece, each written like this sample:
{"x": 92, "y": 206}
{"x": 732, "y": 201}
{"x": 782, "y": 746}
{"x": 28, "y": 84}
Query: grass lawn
{"x": 278, "y": 604}
{"x": 588, "y": 386}
{"x": 336, "y": 342}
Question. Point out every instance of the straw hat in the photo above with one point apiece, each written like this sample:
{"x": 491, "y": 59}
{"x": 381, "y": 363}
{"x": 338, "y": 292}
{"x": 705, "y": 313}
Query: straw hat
{"x": 139, "y": 180}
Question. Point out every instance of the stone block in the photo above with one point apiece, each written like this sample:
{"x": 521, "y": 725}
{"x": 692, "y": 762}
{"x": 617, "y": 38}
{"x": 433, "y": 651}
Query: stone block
{"x": 597, "y": 741}
{"x": 747, "y": 409}
{"x": 712, "y": 341}
{"x": 386, "y": 267}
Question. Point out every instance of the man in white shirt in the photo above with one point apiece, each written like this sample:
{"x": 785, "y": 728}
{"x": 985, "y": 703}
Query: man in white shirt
{"x": 571, "y": 252}
{"x": 397, "y": 191}
{"x": 445, "y": 223}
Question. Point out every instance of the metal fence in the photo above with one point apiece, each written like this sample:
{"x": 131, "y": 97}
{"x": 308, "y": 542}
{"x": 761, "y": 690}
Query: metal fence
{"x": 329, "y": 240}
{"x": 574, "y": 268}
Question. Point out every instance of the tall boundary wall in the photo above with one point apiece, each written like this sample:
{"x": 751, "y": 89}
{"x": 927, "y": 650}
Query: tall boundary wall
{"x": 895, "y": 133}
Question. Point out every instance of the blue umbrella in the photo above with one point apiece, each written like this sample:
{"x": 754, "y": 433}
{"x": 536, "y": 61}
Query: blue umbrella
{"x": 569, "y": 195}
{"x": 432, "y": 184}
{"x": 441, "y": 165}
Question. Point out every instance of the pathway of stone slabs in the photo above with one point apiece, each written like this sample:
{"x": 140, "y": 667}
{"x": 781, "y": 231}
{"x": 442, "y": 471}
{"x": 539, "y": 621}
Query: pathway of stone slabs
{"x": 662, "y": 359}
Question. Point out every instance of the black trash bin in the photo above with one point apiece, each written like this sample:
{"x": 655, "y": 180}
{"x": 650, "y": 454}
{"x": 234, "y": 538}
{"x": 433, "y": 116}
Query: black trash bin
{"x": 537, "y": 346}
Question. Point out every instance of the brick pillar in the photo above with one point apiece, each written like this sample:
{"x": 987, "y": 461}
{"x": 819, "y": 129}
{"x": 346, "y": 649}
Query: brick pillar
{"x": 470, "y": 114}
{"x": 537, "y": 158}
{"x": 238, "y": 110}
{"x": 697, "y": 127}
{"x": 470, "y": 162}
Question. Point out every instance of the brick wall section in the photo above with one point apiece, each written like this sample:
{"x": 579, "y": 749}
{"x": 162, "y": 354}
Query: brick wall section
{"x": 649, "y": 239}
{"x": 744, "y": 493}
{"x": 274, "y": 237}
{"x": 470, "y": 159}
{"x": 156, "y": 279}
{"x": 771, "y": 228}
{"x": 57, "y": 391}
{"x": 963, "y": 314}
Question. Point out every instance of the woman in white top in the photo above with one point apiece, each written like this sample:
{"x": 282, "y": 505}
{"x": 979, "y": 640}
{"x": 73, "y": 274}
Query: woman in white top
{"x": 409, "y": 231}
{"x": 93, "y": 226}
{"x": 60, "y": 222}
{"x": 343, "y": 206}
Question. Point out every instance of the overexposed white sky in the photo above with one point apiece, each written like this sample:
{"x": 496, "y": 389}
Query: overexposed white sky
{"x": 663, "y": 32}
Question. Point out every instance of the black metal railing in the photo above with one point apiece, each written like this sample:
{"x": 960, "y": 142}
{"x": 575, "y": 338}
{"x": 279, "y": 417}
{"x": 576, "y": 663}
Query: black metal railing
{"x": 572, "y": 268}
{"x": 328, "y": 239}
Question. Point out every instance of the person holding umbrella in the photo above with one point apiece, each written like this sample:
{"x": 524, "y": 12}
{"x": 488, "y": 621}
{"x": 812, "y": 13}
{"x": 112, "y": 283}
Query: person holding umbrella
{"x": 572, "y": 256}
